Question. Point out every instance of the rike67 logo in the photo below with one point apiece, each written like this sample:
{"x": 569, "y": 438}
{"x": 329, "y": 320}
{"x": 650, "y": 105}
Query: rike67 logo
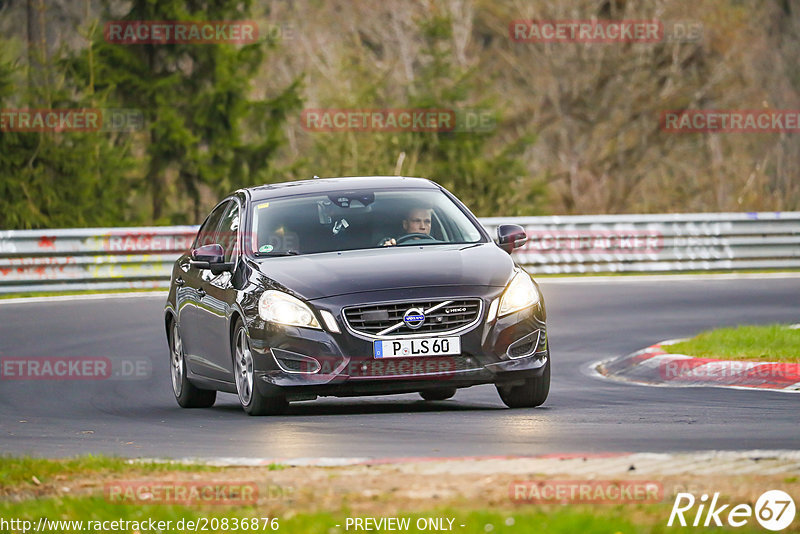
{"x": 774, "y": 510}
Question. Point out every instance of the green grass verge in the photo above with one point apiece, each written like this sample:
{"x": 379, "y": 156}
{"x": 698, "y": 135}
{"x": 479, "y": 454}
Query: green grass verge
{"x": 18, "y": 473}
{"x": 772, "y": 343}
{"x": 95, "y": 511}
{"x": 567, "y": 520}
{"x": 551, "y": 519}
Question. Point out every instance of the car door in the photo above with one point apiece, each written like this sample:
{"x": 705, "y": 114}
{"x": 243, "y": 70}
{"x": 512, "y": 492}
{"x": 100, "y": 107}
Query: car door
{"x": 191, "y": 296}
{"x": 219, "y": 298}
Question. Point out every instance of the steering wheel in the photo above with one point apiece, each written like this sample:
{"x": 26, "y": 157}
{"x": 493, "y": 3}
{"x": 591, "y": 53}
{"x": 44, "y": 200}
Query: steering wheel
{"x": 409, "y": 237}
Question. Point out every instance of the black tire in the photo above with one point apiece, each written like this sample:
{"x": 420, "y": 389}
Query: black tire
{"x": 186, "y": 393}
{"x": 252, "y": 401}
{"x": 437, "y": 394}
{"x": 530, "y": 394}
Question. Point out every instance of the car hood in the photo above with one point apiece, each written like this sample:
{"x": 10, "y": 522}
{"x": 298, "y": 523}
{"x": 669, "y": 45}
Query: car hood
{"x": 328, "y": 274}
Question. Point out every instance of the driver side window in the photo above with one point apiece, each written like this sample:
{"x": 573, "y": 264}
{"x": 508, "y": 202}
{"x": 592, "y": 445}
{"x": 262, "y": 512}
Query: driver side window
{"x": 228, "y": 235}
{"x": 208, "y": 234}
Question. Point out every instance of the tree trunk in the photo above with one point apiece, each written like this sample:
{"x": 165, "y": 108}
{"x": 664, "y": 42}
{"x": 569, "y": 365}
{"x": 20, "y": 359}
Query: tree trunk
{"x": 37, "y": 53}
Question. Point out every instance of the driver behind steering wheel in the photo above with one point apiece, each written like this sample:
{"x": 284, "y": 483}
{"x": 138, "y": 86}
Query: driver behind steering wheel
{"x": 417, "y": 221}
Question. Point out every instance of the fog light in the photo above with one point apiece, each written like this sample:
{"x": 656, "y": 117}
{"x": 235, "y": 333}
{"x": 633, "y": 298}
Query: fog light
{"x": 292, "y": 362}
{"x": 524, "y": 346}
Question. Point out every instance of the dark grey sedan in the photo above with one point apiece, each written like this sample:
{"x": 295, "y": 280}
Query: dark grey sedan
{"x": 352, "y": 286}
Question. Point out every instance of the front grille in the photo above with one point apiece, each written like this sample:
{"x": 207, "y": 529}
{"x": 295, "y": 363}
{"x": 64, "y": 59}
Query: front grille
{"x": 371, "y": 320}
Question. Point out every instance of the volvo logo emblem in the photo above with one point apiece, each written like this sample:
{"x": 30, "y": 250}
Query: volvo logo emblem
{"x": 413, "y": 318}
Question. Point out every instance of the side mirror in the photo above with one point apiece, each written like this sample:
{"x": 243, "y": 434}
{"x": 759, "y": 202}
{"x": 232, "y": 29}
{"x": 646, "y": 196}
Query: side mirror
{"x": 510, "y": 237}
{"x": 210, "y": 257}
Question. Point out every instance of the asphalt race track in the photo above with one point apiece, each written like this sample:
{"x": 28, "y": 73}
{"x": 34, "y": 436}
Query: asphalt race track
{"x": 588, "y": 321}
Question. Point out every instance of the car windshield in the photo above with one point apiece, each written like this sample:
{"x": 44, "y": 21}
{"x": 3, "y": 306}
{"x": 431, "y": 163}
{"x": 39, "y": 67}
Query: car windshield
{"x": 358, "y": 220}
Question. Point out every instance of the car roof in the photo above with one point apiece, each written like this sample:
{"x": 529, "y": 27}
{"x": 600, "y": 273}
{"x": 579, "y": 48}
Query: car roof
{"x": 332, "y": 185}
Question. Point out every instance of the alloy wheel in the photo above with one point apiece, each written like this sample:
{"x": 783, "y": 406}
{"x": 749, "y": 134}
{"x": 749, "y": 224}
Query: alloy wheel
{"x": 244, "y": 368}
{"x": 176, "y": 367}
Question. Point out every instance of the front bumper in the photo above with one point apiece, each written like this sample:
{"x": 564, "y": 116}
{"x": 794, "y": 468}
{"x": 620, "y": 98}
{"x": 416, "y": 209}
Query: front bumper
{"x": 304, "y": 363}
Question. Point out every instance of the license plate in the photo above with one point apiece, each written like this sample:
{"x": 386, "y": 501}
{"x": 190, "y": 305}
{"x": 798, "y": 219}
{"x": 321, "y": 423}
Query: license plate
{"x": 430, "y": 346}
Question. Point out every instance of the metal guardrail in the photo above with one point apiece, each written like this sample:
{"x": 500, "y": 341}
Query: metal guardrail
{"x": 90, "y": 258}
{"x": 660, "y": 243}
{"x": 115, "y": 258}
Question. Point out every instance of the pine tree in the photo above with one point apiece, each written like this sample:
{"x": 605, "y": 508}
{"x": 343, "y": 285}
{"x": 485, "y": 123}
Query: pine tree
{"x": 58, "y": 179}
{"x": 202, "y": 129}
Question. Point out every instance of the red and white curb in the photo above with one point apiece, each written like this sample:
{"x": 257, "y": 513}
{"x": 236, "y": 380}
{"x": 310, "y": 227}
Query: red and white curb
{"x": 656, "y": 366}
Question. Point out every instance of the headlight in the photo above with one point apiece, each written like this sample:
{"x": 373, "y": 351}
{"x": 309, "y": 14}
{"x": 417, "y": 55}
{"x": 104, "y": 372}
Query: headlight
{"x": 521, "y": 293}
{"x": 282, "y": 308}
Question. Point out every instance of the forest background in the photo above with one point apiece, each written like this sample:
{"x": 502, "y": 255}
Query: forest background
{"x": 574, "y": 127}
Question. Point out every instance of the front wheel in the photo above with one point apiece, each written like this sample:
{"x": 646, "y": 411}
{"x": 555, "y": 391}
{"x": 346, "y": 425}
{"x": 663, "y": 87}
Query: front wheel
{"x": 252, "y": 401}
{"x": 530, "y": 394}
{"x": 186, "y": 393}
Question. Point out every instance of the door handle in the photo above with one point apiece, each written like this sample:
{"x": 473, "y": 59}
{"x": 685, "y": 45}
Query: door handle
{"x": 201, "y": 292}
{"x": 180, "y": 282}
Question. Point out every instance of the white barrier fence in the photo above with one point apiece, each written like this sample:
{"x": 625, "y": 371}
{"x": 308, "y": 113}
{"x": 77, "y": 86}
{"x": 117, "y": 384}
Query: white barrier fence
{"x": 112, "y": 258}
